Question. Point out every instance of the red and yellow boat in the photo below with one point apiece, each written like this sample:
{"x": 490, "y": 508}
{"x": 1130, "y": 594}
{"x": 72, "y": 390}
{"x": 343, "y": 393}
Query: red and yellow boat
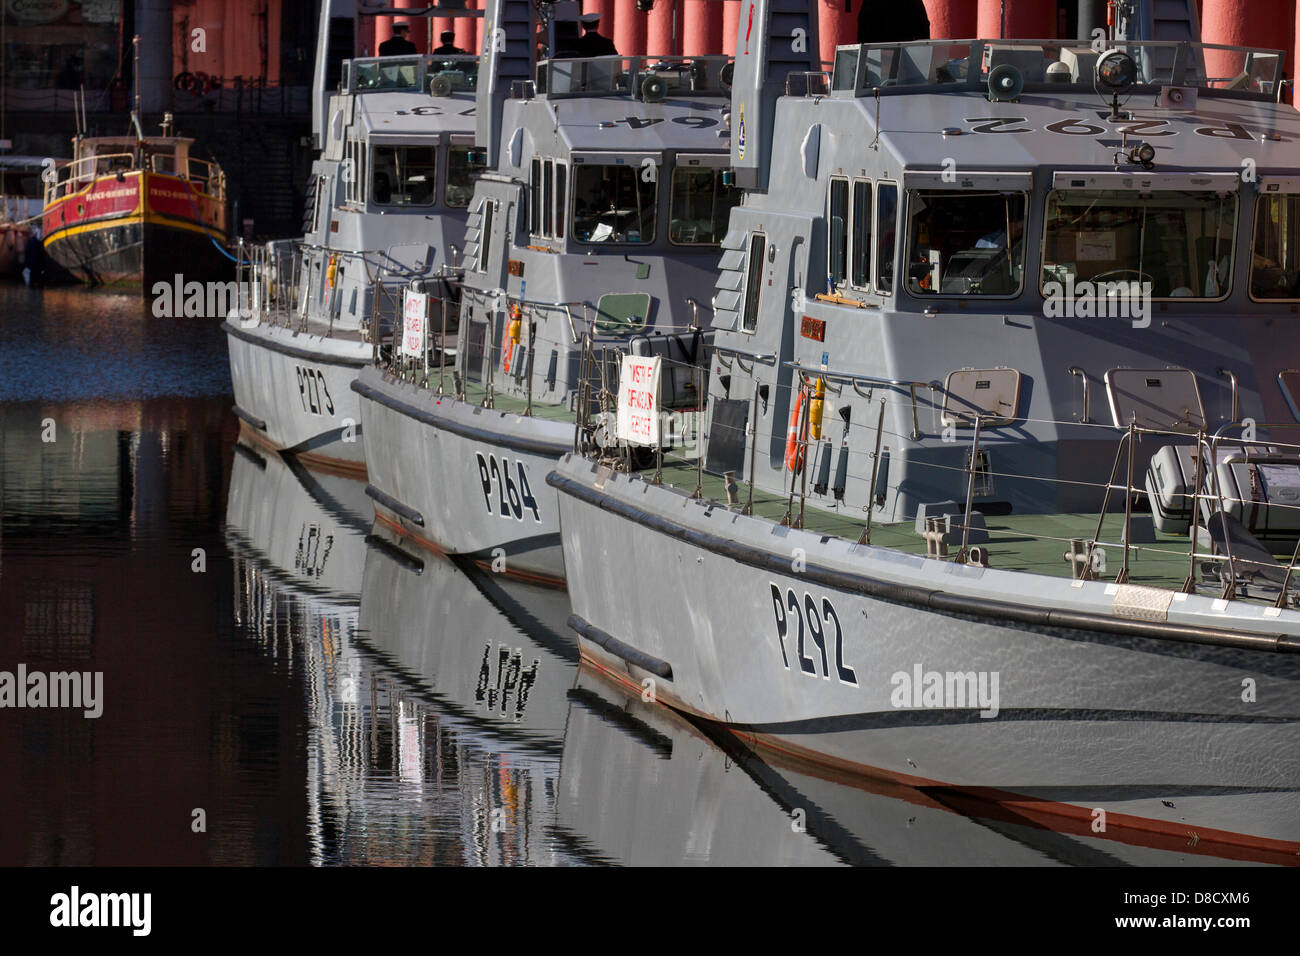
{"x": 133, "y": 210}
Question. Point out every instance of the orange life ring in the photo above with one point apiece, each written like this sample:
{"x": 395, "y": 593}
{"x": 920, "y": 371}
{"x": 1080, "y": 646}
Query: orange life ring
{"x": 793, "y": 446}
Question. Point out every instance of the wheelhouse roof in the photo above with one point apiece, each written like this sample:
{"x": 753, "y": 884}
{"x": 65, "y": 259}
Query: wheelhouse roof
{"x": 1069, "y": 130}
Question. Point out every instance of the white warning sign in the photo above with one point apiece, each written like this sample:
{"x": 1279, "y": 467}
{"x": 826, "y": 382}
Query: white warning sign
{"x": 415, "y": 308}
{"x": 638, "y": 400}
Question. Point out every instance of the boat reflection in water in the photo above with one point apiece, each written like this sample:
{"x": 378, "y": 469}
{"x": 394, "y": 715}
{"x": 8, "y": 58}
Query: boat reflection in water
{"x": 648, "y": 786}
{"x": 436, "y": 698}
{"x": 450, "y": 723}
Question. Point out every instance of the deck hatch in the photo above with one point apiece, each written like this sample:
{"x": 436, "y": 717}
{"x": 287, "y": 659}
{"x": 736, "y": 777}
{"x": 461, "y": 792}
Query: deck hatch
{"x": 1164, "y": 398}
{"x": 990, "y": 394}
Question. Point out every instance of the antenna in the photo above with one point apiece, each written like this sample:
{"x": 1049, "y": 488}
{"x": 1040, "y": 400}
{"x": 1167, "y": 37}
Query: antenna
{"x": 135, "y": 113}
{"x": 4, "y": 64}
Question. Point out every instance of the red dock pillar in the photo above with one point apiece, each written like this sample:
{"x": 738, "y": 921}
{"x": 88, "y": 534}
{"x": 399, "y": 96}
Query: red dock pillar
{"x": 1258, "y": 23}
{"x": 837, "y": 24}
{"x": 659, "y": 29}
{"x": 701, "y": 27}
{"x": 730, "y": 21}
{"x": 467, "y": 30}
{"x": 952, "y": 19}
{"x": 1026, "y": 19}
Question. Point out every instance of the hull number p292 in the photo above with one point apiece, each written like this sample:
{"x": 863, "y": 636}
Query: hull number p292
{"x": 808, "y": 616}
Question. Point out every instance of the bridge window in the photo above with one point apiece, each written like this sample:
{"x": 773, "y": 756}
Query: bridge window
{"x": 886, "y": 233}
{"x": 614, "y": 204}
{"x": 461, "y": 173}
{"x": 354, "y": 171}
{"x": 460, "y": 73}
{"x": 965, "y": 242}
{"x": 861, "y": 234}
{"x": 547, "y": 193}
{"x": 1179, "y": 242}
{"x": 405, "y": 176}
{"x": 1275, "y": 265}
{"x": 837, "y": 222}
{"x": 488, "y": 208}
{"x": 561, "y": 210}
{"x": 535, "y": 197}
{"x": 387, "y": 74}
{"x": 753, "y": 281}
{"x": 700, "y": 206}
{"x": 548, "y": 198}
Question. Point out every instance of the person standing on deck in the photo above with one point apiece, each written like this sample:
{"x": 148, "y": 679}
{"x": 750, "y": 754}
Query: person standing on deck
{"x": 892, "y": 21}
{"x": 591, "y": 43}
{"x": 398, "y": 44}
{"x": 449, "y": 48}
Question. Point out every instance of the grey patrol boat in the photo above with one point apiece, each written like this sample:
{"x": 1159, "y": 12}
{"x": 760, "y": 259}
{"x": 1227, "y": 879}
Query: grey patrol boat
{"x": 1001, "y": 479}
{"x": 387, "y": 203}
{"x": 600, "y": 221}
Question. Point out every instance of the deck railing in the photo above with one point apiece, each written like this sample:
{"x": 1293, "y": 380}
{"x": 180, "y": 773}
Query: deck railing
{"x": 74, "y": 175}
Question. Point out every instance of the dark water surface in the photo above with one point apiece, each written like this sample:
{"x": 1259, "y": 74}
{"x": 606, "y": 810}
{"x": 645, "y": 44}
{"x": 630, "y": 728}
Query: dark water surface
{"x": 323, "y": 693}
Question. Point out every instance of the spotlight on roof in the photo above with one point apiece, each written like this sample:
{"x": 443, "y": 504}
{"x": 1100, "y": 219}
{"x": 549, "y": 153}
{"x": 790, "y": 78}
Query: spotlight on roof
{"x": 1116, "y": 71}
{"x": 1144, "y": 154}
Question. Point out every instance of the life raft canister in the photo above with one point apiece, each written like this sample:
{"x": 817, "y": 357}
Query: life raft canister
{"x": 815, "y": 410}
{"x": 513, "y": 330}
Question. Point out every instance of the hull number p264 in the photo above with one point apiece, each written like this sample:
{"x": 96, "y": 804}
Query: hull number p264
{"x": 505, "y": 494}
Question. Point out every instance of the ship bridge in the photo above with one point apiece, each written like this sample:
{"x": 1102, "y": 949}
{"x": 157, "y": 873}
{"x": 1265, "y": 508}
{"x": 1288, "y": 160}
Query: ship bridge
{"x": 405, "y": 147}
{"x": 1055, "y": 66}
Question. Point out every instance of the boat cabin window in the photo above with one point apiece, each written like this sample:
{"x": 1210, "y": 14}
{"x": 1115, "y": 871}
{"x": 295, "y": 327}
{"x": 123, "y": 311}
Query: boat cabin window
{"x": 860, "y": 247}
{"x": 547, "y": 192}
{"x": 114, "y": 162}
{"x": 404, "y": 175}
{"x": 462, "y": 73}
{"x": 461, "y": 173}
{"x": 965, "y": 242}
{"x": 1180, "y": 242}
{"x": 886, "y": 235}
{"x": 354, "y": 171}
{"x": 163, "y": 159}
{"x": 535, "y": 197}
{"x": 1275, "y": 260}
{"x": 700, "y": 206}
{"x": 837, "y": 222}
{"x": 753, "y": 281}
{"x": 387, "y": 74}
{"x": 613, "y": 204}
{"x": 548, "y": 197}
{"x": 487, "y": 209}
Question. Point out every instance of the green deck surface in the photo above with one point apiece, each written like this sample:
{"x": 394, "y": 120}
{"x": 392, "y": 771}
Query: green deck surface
{"x": 476, "y": 394}
{"x": 1035, "y": 543}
